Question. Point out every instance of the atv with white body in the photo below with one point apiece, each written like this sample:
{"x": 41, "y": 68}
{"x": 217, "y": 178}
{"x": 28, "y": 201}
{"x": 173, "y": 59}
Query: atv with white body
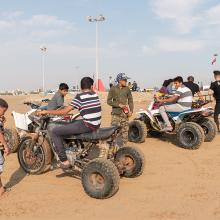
{"x": 192, "y": 127}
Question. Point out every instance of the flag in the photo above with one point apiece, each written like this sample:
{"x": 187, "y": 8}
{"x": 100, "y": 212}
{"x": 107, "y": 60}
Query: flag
{"x": 214, "y": 61}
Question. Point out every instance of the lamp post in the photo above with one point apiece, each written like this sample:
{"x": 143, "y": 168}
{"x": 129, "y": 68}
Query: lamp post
{"x": 43, "y": 50}
{"x": 96, "y": 20}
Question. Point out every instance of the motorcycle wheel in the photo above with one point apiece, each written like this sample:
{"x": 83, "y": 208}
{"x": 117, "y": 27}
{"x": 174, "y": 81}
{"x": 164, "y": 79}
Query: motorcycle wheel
{"x": 12, "y": 138}
{"x": 34, "y": 161}
{"x": 190, "y": 135}
{"x": 100, "y": 179}
{"x": 131, "y": 161}
{"x": 137, "y": 131}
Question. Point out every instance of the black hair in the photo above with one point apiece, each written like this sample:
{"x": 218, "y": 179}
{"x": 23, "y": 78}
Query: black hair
{"x": 216, "y": 72}
{"x": 190, "y": 78}
{"x": 178, "y": 79}
{"x": 63, "y": 86}
{"x": 167, "y": 82}
{"x": 86, "y": 83}
{"x": 3, "y": 103}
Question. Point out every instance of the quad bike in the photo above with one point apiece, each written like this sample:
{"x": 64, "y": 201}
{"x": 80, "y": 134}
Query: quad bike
{"x": 23, "y": 125}
{"x": 95, "y": 156}
{"x": 191, "y": 127}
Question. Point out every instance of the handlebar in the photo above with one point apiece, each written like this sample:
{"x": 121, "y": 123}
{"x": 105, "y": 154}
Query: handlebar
{"x": 33, "y": 105}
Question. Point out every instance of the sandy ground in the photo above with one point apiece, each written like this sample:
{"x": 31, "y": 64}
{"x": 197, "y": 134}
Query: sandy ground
{"x": 176, "y": 184}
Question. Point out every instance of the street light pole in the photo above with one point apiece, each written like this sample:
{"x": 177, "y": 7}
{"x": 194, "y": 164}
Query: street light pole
{"x": 43, "y": 50}
{"x": 96, "y": 20}
{"x": 97, "y": 57}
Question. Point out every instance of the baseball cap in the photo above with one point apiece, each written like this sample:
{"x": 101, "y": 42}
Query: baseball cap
{"x": 121, "y": 76}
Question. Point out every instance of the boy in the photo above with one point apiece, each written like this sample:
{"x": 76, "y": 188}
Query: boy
{"x": 120, "y": 98}
{"x": 58, "y": 99}
{"x": 89, "y": 106}
{"x": 215, "y": 91}
{"x": 182, "y": 98}
{"x": 4, "y": 147}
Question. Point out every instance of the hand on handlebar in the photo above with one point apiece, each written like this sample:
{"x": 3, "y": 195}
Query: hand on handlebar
{"x": 157, "y": 98}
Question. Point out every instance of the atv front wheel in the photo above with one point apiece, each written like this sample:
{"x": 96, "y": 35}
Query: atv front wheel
{"x": 190, "y": 135}
{"x": 36, "y": 159}
{"x": 210, "y": 129}
{"x": 100, "y": 178}
{"x": 12, "y": 138}
{"x": 137, "y": 131}
{"x": 130, "y": 161}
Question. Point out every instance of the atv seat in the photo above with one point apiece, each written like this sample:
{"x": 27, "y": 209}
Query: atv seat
{"x": 175, "y": 114}
{"x": 100, "y": 134}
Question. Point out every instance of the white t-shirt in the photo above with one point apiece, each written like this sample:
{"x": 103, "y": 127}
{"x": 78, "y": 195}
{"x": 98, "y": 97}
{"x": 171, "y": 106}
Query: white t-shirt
{"x": 185, "y": 96}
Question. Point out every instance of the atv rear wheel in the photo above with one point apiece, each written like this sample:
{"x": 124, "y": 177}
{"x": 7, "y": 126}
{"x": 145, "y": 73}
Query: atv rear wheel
{"x": 190, "y": 135}
{"x": 130, "y": 160}
{"x": 12, "y": 138}
{"x": 137, "y": 131}
{"x": 100, "y": 178}
{"x": 36, "y": 160}
{"x": 210, "y": 129}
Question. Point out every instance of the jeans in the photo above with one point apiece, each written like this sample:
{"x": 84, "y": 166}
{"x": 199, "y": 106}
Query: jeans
{"x": 60, "y": 132}
{"x": 170, "y": 108}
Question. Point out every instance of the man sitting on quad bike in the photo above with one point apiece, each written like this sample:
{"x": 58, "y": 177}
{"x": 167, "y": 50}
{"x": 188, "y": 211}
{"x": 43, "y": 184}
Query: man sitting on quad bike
{"x": 181, "y": 101}
{"x": 57, "y": 100}
{"x": 89, "y": 105}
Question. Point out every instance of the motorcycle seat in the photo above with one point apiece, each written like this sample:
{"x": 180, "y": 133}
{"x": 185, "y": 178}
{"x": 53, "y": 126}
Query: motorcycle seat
{"x": 100, "y": 134}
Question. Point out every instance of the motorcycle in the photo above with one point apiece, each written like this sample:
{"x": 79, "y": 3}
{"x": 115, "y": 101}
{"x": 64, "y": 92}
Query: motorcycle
{"x": 191, "y": 127}
{"x": 94, "y": 156}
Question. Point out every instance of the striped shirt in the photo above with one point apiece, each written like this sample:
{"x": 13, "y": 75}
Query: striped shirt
{"x": 184, "y": 96}
{"x": 89, "y": 106}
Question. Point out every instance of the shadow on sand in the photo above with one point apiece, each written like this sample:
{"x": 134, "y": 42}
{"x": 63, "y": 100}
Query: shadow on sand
{"x": 75, "y": 174}
{"x": 16, "y": 178}
{"x": 169, "y": 138}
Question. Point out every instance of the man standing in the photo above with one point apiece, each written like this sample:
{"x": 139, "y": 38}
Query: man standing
{"x": 193, "y": 87}
{"x": 215, "y": 91}
{"x": 182, "y": 97}
{"x": 121, "y": 101}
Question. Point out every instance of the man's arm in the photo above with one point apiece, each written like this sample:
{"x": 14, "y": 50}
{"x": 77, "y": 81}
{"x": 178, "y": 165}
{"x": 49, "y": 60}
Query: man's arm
{"x": 2, "y": 139}
{"x": 130, "y": 101}
{"x": 211, "y": 89}
{"x": 210, "y": 92}
{"x": 198, "y": 92}
{"x": 170, "y": 99}
{"x": 63, "y": 111}
{"x": 4, "y": 143}
{"x": 110, "y": 99}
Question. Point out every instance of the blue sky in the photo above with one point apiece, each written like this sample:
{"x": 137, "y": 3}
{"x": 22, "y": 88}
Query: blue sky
{"x": 150, "y": 40}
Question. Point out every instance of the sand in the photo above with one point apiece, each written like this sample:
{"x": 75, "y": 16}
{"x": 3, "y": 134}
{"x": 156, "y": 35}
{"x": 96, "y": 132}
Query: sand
{"x": 176, "y": 184}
